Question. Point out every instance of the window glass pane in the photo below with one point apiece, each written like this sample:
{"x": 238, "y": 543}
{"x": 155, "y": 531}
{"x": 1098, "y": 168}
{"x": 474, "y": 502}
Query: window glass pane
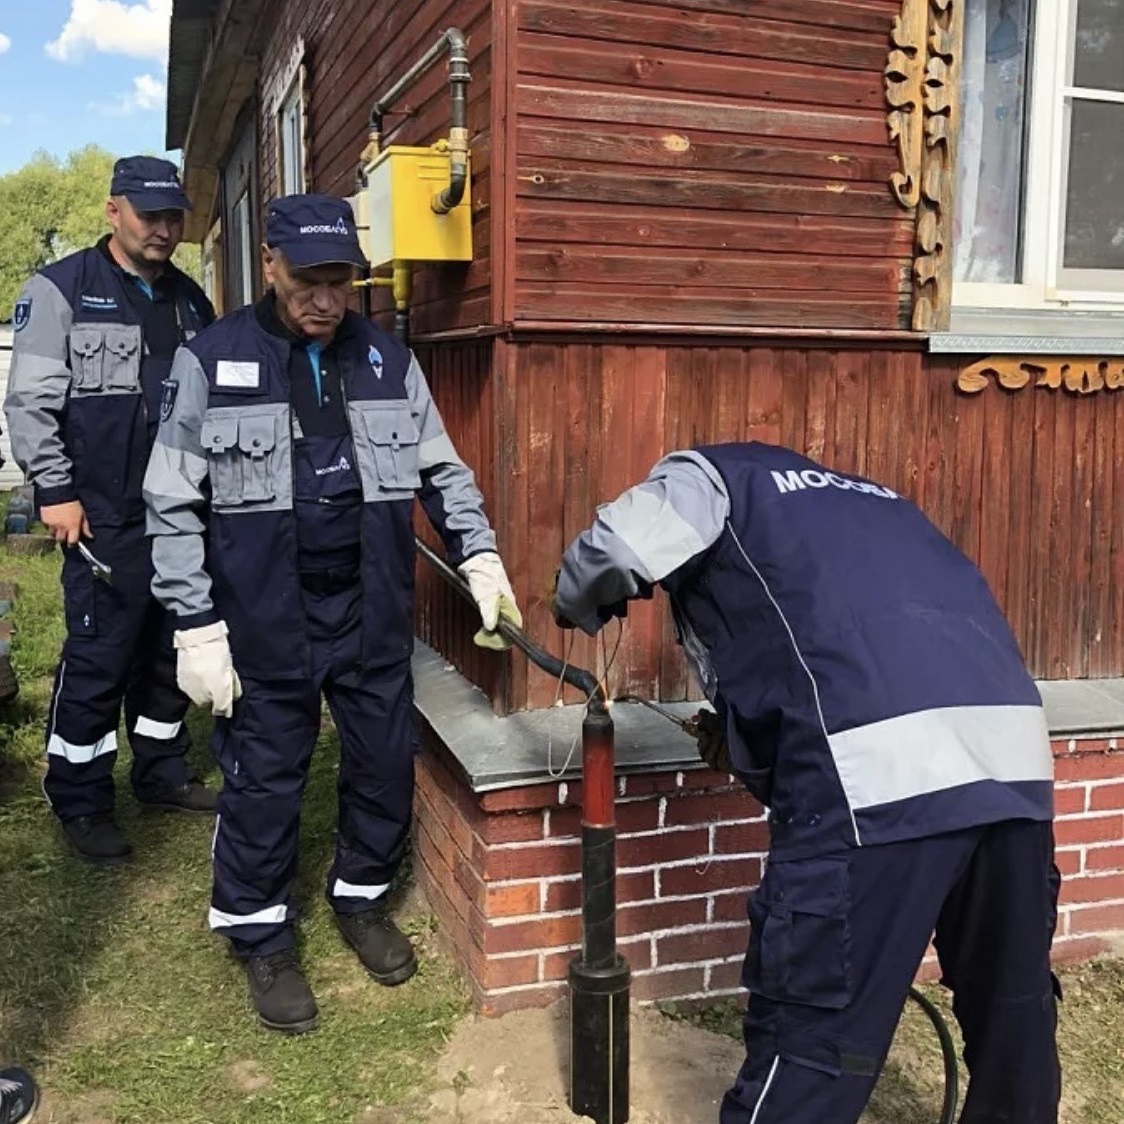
{"x": 1094, "y": 221}
{"x": 990, "y": 172}
{"x": 241, "y": 249}
{"x": 1098, "y": 54}
{"x": 292, "y": 155}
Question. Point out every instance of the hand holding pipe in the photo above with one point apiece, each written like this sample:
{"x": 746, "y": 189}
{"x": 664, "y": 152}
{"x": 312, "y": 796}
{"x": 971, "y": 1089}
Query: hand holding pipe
{"x": 584, "y": 681}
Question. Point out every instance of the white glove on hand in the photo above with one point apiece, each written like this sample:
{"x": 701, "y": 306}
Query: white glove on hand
{"x": 491, "y": 590}
{"x": 204, "y": 670}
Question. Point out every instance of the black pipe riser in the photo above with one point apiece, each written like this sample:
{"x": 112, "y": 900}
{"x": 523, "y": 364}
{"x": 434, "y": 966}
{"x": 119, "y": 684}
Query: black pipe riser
{"x": 599, "y": 898}
{"x": 599, "y": 1042}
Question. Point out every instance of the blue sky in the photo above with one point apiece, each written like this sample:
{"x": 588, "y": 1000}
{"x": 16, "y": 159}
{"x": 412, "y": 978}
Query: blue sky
{"x": 77, "y": 72}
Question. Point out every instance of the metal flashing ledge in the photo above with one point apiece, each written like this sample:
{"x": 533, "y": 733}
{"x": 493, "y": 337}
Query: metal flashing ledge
{"x": 533, "y": 747}
{"x": 1047, "y": 332}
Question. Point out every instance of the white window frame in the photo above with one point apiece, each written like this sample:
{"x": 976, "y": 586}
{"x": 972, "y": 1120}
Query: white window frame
{"x": 1043, "y": 286}
{"x": 245, "y": 248}
{"x": 290, "y": 139}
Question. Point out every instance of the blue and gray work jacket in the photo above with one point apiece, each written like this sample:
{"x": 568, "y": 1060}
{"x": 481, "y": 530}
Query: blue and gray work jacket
{"x": 87, "y": 371}
{"x": 222, "y": 482}
{"x": 871, "y": 688}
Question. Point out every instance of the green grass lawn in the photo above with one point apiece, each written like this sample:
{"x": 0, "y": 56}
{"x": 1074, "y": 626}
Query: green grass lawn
{"x": 112, "y": 989}
{"x": 1091, "y": 1041}
{"x": 129, "y": 1011}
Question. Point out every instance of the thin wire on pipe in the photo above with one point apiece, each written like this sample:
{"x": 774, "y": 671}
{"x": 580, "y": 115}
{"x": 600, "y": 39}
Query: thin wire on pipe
{"x": 607, "y": 665}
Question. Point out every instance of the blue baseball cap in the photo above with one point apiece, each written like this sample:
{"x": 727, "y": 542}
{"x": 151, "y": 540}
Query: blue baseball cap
{"x": 149, "y": 184}
{"x": 313, "y": 230}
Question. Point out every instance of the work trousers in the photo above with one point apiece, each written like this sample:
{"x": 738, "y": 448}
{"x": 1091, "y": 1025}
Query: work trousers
{"x": 118, "y": 651}
{"x": 265, "y": 750}
{"x": 836, "y": 941}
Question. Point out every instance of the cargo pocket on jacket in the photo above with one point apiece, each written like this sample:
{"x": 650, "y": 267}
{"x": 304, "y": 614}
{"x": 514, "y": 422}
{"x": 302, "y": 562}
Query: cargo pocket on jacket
{"x": 121, "y": 368}
{"x": 257, "y": 439}
{"x": 219, "y": 437}
{"x": 800, "y": 935}
{"x": 386, "y": 447}
{"x": 87, "y": 356}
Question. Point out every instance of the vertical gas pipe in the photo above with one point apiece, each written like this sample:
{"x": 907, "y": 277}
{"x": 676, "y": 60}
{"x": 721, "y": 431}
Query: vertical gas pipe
{"x": 599, "y": 978}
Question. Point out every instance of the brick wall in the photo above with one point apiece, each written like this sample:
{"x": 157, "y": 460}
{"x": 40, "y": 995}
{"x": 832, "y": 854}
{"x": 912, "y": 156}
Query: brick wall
{"x": 501, "y": 871}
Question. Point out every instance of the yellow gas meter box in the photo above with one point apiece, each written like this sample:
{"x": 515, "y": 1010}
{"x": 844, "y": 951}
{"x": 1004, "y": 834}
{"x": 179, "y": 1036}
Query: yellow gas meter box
{"x": 396, "y": 208}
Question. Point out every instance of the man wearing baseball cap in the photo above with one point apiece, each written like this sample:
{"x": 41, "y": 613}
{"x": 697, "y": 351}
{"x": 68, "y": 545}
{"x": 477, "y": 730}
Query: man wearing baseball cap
{"x": 295, "y": 437}
{"x": 95, "y": 334}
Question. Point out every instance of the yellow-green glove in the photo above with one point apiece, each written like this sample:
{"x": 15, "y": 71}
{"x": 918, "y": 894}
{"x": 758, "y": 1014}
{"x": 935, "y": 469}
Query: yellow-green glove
{"x": 496, "y": 641}
{"x": 492, "y": 593}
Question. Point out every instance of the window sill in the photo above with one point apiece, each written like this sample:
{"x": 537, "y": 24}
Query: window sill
{"x": 986, "y": 331}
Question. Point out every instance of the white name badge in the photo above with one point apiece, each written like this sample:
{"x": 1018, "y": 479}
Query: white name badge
{"x": 243, "y": 376}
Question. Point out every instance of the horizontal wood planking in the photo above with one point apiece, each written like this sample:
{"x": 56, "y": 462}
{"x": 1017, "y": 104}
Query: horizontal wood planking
{"x": 670, "y": 69}
{"x": 763, "y": 126}
{"x": 736, "y": 32}
{"x": 354, "y": 50}
{"x": 592, "y": 417}
{"x": 651, "y": 147}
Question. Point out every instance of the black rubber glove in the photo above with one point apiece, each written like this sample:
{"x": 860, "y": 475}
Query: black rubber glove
{"x": 711, "y": 736}
{"x": 559, "y": 619}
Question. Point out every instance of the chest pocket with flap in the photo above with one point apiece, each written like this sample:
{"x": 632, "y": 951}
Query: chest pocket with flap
{"x": 386, "y": 447}
{"x": 105, "y": 358}
{"x": 244, "y": 457}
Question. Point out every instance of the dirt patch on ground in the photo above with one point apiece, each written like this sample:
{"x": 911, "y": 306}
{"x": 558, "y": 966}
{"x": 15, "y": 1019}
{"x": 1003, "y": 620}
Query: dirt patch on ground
{"x": 94, "y": 1107}
{"x": 513, "y": 1071}
{"x": 246, "y": 1076}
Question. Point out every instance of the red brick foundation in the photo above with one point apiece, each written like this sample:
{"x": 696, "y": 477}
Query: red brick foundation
{"x": 501, "y": 870}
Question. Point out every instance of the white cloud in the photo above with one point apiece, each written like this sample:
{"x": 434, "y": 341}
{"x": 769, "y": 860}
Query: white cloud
{"x": 5, "y": 43}
{"x": 111, "y": 27}
{"x": 148, "y": 93}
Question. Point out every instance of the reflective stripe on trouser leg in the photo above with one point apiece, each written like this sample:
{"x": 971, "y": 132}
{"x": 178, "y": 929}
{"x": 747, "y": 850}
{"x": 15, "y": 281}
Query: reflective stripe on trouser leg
{"x": 264, "y": 752}
{"x": 372, "y": 710}
{"x": 102, "y": 630}
{"x": 154, "y": 710}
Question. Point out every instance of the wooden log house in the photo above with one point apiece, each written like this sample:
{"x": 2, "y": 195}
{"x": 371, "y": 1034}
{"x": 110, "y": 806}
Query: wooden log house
{"x": 884, "y": 232}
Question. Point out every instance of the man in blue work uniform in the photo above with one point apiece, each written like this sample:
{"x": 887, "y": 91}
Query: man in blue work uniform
{"x": 295, "y": 437}
{"x": 95, "y": 334}
{"x": 868, "y": 691}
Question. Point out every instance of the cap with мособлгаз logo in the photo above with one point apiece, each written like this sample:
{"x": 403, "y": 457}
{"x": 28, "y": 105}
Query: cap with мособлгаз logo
{"x": 149, "y": 183}
{"x": 313, "y": 230}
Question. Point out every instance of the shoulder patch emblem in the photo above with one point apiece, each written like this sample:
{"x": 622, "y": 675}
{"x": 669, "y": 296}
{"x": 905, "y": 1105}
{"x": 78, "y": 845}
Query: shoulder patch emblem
{"x": 168, "y": 398}
{"x": 21, "y": 315}
{"x": 374, "y": 357}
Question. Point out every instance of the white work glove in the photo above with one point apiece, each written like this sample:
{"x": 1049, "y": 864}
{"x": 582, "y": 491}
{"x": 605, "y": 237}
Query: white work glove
{"x": 491, "y": 590}
{"x": 204, "y": 670}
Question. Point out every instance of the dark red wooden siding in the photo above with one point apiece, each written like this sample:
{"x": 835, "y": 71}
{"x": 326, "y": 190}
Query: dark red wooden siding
{"x": 707, "y": 162}
{"x": 355, "y": 50}
{"x": 1024, "y": 482}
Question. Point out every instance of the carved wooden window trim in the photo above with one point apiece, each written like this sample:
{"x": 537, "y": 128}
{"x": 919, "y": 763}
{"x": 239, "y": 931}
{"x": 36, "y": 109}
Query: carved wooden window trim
{"x": 1083, "y": 374}
{"x": 923, "y": 91}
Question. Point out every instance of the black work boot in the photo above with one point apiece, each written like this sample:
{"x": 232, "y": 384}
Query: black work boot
{"x": 191, "y": 796}
{"x": 281, "y": 995}
{"x": 384, "y": 950}
{"x": 98, "y": 840}
{"x": 18, "y": 1096}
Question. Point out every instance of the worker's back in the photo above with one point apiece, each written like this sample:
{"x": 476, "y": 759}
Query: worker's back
{"x": 869, "y": 673}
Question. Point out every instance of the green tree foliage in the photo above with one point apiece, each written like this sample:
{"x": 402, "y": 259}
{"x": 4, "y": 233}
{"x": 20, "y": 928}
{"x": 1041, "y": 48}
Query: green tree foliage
{"x": 51, "y": 208}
